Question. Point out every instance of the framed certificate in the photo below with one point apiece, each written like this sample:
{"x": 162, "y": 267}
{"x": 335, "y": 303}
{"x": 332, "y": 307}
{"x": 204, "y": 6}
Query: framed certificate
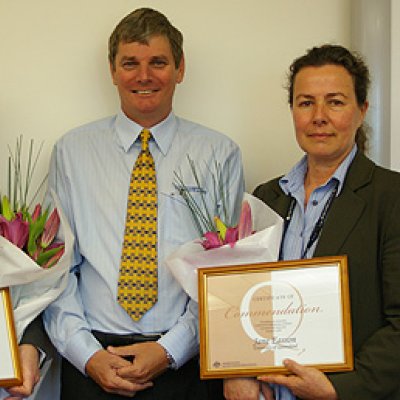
{"x": 10, "y": 371}
{"x": 254, "y": 316}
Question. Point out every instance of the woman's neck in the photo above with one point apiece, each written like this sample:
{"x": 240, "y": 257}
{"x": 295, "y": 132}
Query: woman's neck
{"x": 316, "y": 176}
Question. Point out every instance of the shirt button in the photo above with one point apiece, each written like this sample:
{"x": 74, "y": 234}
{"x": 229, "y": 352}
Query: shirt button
{"x": 314, "y": 202}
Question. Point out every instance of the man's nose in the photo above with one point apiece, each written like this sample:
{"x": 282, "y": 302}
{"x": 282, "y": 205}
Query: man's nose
{"x": 143, "y": 73}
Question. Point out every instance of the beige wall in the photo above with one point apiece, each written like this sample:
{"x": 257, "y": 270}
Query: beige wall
{"x": 54, "y": 72}
{"x": 395, "y": 86}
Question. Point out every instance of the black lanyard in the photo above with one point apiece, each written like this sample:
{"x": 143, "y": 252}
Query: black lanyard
{"x": 316, "y": 232}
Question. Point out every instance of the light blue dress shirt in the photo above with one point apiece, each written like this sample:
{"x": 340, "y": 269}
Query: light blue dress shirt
{"x": 304, "y": 219}
{"x": 90, "y": 171}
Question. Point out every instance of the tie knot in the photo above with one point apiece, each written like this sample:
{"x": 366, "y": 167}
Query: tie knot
{"x": 145, "y": 136}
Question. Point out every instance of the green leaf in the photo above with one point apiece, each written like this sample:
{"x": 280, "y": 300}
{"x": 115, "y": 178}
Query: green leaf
{"x": 46, "y": 255}
{"x": 35, "y": 230}
{"x": 20, "y": 175}
{"x": 221, "y": 228}
{"x": 6, "y": 209}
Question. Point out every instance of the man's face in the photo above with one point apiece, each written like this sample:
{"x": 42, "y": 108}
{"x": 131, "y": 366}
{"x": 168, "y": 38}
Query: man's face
{"x": 146, "y": 76}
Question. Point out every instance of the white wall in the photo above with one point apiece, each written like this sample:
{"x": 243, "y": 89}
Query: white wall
{"x": 395, "y": 86}
{"x": 54, "y": 72}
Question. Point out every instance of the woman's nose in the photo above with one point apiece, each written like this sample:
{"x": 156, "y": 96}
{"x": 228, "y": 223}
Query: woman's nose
{"x": 320, "y": 116}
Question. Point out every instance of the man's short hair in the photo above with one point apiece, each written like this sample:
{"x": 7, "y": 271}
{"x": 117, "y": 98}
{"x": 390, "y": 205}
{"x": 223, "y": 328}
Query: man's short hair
{"x": 140, "y": 26}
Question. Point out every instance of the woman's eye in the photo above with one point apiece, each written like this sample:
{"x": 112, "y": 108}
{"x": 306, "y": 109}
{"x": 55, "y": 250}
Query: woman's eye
{"x": 305, "y": 103}
{"x": 336, "y": 102}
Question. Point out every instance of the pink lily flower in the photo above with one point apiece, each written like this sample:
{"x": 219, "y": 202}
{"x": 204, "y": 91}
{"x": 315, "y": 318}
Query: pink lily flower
{"x": 245, "y": 221}
{"x": 50, "y": 229}
{"x": 16, "y": 231}
{"x": 211, "y": 240}
{"x": 231, "y": 236}
{"x": 36, "y": 212}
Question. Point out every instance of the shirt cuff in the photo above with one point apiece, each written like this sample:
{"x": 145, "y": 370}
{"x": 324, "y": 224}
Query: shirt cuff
{"x": 181, "y": 343}
{"x": 171, "y": 360}
{"x": 80, "y": 348}
{"x": 42, "y": 357}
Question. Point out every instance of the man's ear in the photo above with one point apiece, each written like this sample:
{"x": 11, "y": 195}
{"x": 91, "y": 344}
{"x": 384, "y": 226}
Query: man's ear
{"x": 181, "y": 70}
{"x": 112, "y": 72}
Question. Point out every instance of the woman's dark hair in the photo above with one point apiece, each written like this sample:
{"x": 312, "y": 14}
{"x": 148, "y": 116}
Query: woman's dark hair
{"x": 336, "y": 55}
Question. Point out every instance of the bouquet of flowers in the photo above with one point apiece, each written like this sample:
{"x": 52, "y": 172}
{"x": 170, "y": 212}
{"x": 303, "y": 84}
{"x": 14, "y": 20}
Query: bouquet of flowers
{"x": 35, "y": 247}
{"x": 254, "y": 238}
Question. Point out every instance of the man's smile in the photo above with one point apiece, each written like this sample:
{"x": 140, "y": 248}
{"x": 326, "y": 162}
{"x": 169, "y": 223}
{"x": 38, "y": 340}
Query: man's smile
{"x": 147, "y": 91}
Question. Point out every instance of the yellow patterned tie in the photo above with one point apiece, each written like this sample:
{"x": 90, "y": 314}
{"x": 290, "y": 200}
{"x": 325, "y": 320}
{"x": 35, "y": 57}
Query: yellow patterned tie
{"x": 137, "y": 285}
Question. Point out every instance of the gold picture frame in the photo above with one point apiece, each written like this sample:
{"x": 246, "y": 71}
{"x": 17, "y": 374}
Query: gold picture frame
{"x": 254, "y": 316}
{"x": 10, "y": 370}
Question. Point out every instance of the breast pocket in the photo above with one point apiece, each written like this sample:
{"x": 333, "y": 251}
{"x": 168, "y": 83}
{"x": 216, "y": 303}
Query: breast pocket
{"x": 180, "y": 223}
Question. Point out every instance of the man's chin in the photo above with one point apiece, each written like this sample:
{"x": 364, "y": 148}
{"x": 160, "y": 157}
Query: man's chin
{"x": 146, "y": 116}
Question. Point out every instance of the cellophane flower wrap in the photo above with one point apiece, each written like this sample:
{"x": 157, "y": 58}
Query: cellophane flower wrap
{"x": 34, "y": 278}
{"x": 212, "y": 249}
{"x": 33, "y": 287}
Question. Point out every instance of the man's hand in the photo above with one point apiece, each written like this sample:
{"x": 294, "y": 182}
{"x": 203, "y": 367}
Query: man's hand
{"x": 29, "y": 357}
{"x": 149, "y": 361}
{"x": 246, "y": 389}
{"x": 102, "y": 367}
{"x": 306, "y": 383}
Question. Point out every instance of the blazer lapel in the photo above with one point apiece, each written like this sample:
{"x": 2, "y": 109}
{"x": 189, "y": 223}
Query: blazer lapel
{"x": 279, "y": 202}
{"x": 343, "y": 215}
{"x": 346, "y": 209}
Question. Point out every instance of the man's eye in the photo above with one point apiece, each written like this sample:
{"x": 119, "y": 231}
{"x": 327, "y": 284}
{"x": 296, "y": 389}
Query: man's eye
{"x": 129, "y": 64}
{"x": 159, "y": 63}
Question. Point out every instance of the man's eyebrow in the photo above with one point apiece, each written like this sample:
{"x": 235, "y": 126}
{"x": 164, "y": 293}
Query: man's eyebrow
{"x": 159, "y": 57}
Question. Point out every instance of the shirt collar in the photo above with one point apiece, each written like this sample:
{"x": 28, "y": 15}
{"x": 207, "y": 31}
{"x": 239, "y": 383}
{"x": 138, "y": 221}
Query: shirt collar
{"x": 128, "y": 131}
{"x": 294, "y": 179}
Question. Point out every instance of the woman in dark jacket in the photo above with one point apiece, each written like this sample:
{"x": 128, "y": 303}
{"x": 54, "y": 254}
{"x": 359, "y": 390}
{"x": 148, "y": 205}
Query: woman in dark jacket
{"x": 353, "y": 208}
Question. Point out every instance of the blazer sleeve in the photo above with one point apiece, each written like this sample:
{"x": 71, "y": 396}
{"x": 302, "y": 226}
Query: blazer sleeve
{"x": 35, "y": 335}
{"x": 374, "y": 260}
{"x": 364, "y": 224}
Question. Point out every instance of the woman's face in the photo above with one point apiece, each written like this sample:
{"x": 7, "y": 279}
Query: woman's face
{"x": 325, "y": 113}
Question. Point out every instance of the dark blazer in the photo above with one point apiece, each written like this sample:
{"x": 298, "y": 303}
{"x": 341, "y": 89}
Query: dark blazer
{"x": 36, "y": 335}
{"x": 364, "y": 224}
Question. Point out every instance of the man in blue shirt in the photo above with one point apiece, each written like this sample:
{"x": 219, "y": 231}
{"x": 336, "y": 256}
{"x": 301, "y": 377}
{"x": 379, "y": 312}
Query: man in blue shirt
{"x": 90, "y": 171}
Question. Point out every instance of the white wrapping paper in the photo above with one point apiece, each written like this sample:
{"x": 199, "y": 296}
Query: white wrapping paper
{"x": 32, "y": 287}
{"x": 262, "y": 246}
